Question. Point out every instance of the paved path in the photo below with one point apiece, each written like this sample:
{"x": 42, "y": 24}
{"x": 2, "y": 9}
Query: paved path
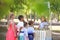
{"x": 56, "y": 36}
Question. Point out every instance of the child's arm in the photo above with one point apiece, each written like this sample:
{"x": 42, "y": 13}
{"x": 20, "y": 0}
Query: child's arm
{"x": 20, "y": 28}
{"x": 38, "y": 27}
{"x": 13, "y": 29}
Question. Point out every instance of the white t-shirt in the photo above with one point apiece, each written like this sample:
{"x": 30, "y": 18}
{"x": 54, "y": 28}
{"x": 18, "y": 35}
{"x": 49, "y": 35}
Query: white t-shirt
{"x": 20, "y": 24}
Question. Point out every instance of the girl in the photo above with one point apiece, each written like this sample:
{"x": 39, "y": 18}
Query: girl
{"x": 44, "y": 23}
{"x": 31, "y": 30}
{"x": 11, "y": 33}
{"x": 25, "y": 30}
{"x": 20, "y": 27}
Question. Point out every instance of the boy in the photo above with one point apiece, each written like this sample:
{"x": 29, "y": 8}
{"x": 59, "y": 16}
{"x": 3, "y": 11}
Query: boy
{"x": 31, "y": 30}
{"x": 20, "y": 27}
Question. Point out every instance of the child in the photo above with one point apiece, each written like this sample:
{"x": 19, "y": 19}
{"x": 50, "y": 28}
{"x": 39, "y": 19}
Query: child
{"x": 20, "y": 27}
{"x": 25, "y": 30}
{"x": 11, "y": 33}
{"x": 44, "y": 23}
{"x": 31, "y": 30}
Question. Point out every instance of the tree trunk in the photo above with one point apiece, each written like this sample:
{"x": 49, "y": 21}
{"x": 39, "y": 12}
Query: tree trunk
{"x": 58, "y": 17}
{"x": 31, "y": 17}
{"x": 34, "y": 16}
{"x": 26, "y": 16}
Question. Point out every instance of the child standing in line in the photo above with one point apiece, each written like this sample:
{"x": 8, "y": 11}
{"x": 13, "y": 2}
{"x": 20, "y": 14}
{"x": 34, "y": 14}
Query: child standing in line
{"x": 11, "y": 33}
{"x": 31, "y": 31}
{"x": 20, "y": 27}
{"x": 25, "y": 30}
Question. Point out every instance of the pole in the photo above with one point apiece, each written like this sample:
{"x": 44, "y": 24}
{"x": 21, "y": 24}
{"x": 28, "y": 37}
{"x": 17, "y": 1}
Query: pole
{"x": 50, "y": 19}
{"x": 50, "y": 15}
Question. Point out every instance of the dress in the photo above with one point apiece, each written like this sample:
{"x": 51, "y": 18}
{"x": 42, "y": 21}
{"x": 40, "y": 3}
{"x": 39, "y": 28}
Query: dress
{"x": 21, "y": 35}
{"x": 26, "y": 33}
{"x": 10, "y": 33}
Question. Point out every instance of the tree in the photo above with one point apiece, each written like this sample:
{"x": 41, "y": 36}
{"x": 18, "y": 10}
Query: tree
{"x": 55, "y": 7}
{"x": 11, "y": 5}
{"x": 5, "y": 7}
{"x": 24, "y": 6}
{"x": 40, "y": 7}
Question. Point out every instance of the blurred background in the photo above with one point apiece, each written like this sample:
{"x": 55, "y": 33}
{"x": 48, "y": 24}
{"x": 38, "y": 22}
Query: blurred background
{"x": 31, "y": 10}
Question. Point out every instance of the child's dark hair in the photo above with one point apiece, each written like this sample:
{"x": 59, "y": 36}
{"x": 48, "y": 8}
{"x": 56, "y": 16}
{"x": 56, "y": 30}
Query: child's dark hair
{"x": 20, "y": 16}
{"x": 30, "y": 22}
{"x": 25, "y": 23}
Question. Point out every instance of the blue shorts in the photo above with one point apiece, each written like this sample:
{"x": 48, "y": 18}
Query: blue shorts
{"x": 31, "y": 36}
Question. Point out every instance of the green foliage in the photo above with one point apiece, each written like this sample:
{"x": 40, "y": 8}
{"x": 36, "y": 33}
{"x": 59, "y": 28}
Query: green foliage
{"x": 55, "y": 5}
{"x": 23, "y": 6}
{"x": 40, "y": 6}
{"x": 4, "y": 7}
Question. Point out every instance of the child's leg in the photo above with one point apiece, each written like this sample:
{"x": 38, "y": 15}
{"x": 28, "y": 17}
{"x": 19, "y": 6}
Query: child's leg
{"x": 18, "y": 37}
{"x": 30, "y": 38}
{"x": 21, "y": 37}
{"x": 26, "y": 38}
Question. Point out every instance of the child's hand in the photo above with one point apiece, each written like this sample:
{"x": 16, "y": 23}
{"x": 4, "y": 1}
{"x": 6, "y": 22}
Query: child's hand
{"x": 18, "y": 33}
{"x": 20, "y": 28}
